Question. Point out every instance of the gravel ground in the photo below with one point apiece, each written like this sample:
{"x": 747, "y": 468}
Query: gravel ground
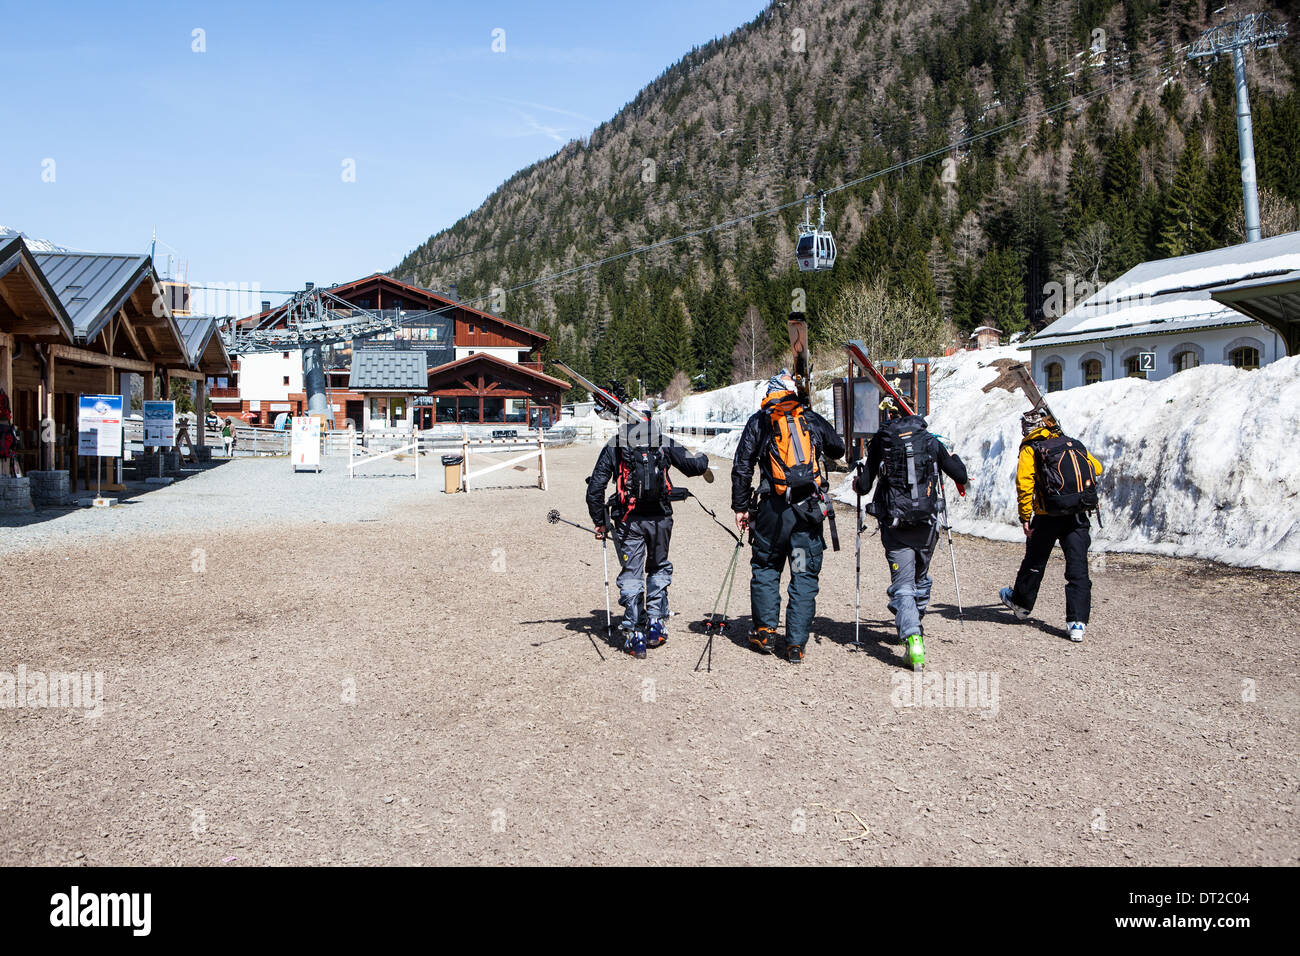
{"x": 219, "y": 497}
{"x": 379, "y": 673}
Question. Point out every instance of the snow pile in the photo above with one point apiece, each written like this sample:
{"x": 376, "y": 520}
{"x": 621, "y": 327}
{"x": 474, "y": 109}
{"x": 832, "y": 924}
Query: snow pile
{"x": 1201, "y": 464}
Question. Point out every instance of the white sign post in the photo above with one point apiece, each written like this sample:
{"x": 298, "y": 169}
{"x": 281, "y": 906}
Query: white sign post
{"x": 304, "y": 447}
{"x": 99, "y": 434}
{"x": 160, "y": 433}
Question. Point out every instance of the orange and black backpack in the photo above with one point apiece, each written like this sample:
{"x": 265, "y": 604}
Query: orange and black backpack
{"x": 1064, "y": 480}
{"x": 791, "y": 460}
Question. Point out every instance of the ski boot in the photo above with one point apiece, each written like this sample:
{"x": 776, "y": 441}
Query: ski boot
{"x": 657, "y": 635}
{"x": 1013, "y": 607}
{"x": 763, "y": 640}
{"x": 1075, "y": 629}
{"x": 634, "y": 643}
{"x": 916, "y": 652}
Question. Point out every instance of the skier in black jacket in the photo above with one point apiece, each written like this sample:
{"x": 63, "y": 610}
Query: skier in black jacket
{"x": 787, "y": 522}
{"x": 638, "y": 458}
{"x": 908, "y": 512}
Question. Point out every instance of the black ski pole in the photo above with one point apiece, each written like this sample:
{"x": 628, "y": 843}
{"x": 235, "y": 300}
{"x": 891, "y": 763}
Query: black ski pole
{"x": 553, "y": 517}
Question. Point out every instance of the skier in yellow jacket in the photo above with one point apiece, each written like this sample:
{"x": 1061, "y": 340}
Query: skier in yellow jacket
{"x": 1056, "y": 487}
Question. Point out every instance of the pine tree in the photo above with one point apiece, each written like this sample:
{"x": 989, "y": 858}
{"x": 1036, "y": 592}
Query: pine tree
{"x": 1186, "y": 217}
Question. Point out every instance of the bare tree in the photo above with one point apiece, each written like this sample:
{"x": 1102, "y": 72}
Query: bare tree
{"x": 892, "y": 324}
{"x": 678, "y": 388}
{"x": 752, "y": 356}
{"x": 1276, "y": 216}
{"x": 1085, "y": 254}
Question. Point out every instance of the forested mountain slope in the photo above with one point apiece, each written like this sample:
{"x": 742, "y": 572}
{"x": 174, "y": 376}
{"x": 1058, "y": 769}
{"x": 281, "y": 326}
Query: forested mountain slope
{"x": 1089, "y": 143}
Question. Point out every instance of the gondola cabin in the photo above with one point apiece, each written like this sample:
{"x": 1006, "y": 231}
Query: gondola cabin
{"x": 816, "y": 250}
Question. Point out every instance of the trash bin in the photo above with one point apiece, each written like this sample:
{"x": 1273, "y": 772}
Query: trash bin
{"x": 451, "y": 465}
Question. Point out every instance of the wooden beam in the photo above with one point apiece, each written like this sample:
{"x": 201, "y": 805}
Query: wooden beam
{"x": 47, "y": 413}
{"x": 126, "y": 327}
{"x": 70, "y": 353}
{"x": 187, "y": 373}
{"x": 7, "y": 371}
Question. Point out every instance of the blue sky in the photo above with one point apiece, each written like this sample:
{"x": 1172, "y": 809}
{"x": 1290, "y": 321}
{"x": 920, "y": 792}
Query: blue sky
{"x": 236, "y": 154}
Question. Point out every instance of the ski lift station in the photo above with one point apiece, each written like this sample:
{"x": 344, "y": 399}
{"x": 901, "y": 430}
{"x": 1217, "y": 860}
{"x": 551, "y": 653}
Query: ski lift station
{"x": 379, "y": 354}
{"x": 1236, "y": 306}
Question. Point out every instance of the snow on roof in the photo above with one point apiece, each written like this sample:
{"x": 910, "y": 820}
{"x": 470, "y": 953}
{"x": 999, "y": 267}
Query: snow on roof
{"x": 1167, "y": 295}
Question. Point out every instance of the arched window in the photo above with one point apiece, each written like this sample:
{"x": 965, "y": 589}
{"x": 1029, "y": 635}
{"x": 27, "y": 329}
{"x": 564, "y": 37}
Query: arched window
{"x": 1244, "y": 352}
{"x": 1054, "y": 376}
{"x": 1133, "y": 367}
{"x": 1244, "y": 356}
{"x": 1186, "y": 355}
{"x": 1091, "y": 371}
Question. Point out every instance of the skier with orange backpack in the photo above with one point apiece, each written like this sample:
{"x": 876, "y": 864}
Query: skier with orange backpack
{"x": 639, "y": 518}
{"x": 790, "y": 444}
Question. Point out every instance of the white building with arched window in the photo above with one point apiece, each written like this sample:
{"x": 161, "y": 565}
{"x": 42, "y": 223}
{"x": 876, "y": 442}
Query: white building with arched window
{"x": 1169, "y": 315}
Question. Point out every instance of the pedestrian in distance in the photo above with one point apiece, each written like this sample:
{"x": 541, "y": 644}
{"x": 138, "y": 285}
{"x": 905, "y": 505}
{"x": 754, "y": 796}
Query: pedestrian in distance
{"x": 906, "y": 463}
{"x": 790, "y": 445}
{"x": 228, "y": 437}
{"x": 639, "y": 458}
{"x": 1056, "y": 489}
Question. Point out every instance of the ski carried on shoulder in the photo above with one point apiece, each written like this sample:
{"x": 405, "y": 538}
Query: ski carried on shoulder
{"x": 603, "y": 397}
{"x": 1030, "y": 387}
{"x": 797, "y": 327}
{"x": 858, "y": 353}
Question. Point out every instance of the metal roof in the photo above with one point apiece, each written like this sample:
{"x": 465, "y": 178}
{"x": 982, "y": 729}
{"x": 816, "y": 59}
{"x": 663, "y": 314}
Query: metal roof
{"x": 93, "y": 285}
{"x": 399, "y": 370}
{"x": 1171, "y": 295}
{"x": 15, "y": 253}
{"x": 198, "y": 332}
{"x": 195, "y": 330}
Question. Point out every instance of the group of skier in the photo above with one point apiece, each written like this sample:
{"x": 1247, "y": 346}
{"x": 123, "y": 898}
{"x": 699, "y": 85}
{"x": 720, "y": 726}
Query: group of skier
{"x": 789, "y": 446}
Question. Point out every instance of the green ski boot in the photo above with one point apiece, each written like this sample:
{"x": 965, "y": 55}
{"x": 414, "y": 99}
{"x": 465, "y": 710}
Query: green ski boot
{"x": 916, "y": 652}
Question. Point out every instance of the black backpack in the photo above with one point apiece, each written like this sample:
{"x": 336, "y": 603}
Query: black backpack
{"x": 1064, "y": 479}
{"x": 642, "y": 478}
{"x": 911, "y": 471}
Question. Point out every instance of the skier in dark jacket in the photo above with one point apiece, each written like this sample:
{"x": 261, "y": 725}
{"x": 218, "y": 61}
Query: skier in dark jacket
{"x": 908, "y": 514}
{"x": 640, "y": 521}
{"x": 786, "y": 524}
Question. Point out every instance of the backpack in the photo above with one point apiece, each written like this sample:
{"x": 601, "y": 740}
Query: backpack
{"x": 911, "y": 470}
{"x": 642, "y": 478}
{"x": 1064, "y": 480}
{"x": 791, "y": 463}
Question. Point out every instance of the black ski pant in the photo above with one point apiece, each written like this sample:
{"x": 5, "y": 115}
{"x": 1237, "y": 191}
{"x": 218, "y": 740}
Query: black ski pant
{"x": 1075, "y": 535}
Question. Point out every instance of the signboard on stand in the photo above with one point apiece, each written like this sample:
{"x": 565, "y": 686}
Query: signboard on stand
{"x": 99, "y": 426}
{"x": 304, "y": 445}
{"x": 159, "y": 424}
